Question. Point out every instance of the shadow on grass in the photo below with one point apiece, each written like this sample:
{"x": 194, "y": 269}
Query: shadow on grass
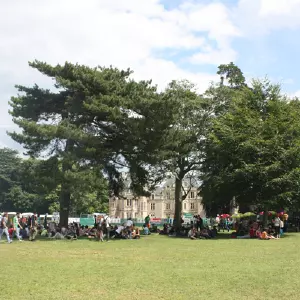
{"x": 47, "y": 239}
{"x": 226, "y": 236}
{"x": 220, "y": 236}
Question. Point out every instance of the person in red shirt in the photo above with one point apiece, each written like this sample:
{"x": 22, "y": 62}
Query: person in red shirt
{"x": 252, "y": 233}
{"x": 11, "y": 232}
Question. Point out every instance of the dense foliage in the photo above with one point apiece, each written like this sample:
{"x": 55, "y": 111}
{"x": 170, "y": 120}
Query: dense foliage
{"x": 241, "y": 141}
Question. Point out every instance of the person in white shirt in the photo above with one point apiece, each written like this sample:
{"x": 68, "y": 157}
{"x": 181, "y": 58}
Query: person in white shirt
{"x": 4, "y": 228}
{"x": 119, "y": 230}
{"x": 106, "y": 227}
{"x": 192, "y": 234}
{"x": 129, "y": 225}
{"x": 1, "y": 230}
{"x": 218, "y": 222}
{"x": 277, "y": 227}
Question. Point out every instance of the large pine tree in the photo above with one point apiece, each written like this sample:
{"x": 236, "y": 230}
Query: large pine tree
{"x": 79, "y": 121}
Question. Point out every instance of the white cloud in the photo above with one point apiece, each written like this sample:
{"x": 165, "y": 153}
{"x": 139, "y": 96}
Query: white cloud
{"x": 293, "y": 95}
{"x": 105, "y": 32}
{"x": 279, "y": 7}
{"x": 110, "y": 32}
{"x": 129, "y": 34}
{"x": 259, "y": 17}
{"x": 214, "y": 57}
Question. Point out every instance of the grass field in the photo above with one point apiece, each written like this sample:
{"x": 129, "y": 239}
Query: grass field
{"x": 155, "y": 267}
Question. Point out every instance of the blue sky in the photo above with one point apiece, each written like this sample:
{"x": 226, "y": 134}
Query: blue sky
{"x": 160, "y": 40}
{"x": 274, "y": 54}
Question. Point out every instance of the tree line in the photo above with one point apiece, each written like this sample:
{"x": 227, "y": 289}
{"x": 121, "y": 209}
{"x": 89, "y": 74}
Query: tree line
{"x": 241, "y": 141}
{"x": 33, "y": 185}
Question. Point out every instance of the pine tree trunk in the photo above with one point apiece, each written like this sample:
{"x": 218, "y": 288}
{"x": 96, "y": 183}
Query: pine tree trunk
{"x": 265, "y": 218}
{"x": 65, "y": 199}
{"x": 65, "y": 194}
{"x": 178, "y": 203}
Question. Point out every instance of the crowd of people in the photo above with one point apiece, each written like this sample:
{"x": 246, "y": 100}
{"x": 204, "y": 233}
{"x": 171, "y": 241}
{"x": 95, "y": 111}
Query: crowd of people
{"x": 28, "y": 227}
{"x": 254, "y": 229}
{"x": 20, "y": 227}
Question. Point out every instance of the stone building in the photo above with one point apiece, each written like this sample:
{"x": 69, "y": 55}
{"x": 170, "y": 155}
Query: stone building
{"x": 160, "y": 204}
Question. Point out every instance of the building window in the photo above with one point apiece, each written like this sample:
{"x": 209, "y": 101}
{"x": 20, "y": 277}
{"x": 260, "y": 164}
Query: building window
{"x": 192, "y": 195}
{"x": 152, "y": 206}
{"x": 152, "y": 215}
{"x": 113, "y": 204}
{"x": 168, "y": 206}
{"x": 184, "y": 205}
{"x": 168, "y": 195}
{"x": 152, "y": 196}
{"x": 129, "y": 202}
{"x": 192, "y": 205}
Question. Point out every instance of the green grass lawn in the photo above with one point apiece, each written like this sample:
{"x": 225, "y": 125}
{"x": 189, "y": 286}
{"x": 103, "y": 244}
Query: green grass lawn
{"x": 155, "y": 267}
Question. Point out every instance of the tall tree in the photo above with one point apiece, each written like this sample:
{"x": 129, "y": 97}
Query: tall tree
{"x": 251, "y": 151}
{"x": 9, "y": 164}
{"x": 232, "y": 74}
{"x": 55, "y": 123}
{"x": 176, "y": 124}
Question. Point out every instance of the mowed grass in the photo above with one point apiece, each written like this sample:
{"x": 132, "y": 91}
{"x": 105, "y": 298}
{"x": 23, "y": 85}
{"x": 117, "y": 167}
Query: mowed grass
{"x": 155, "y": 267}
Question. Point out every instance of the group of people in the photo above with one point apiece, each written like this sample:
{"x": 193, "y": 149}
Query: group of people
{"x": 28, "y": 228}
{"x": 204, "y": 233}
{"x": 250, "y": 229}
{"x": 102, "y": 229}
{"x": 20, "y": 227}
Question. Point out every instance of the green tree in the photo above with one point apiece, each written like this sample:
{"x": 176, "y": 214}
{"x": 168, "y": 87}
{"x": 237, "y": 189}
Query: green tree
{"x": 232, "y": 74}
{"x": 55, "y": 123}
{"x": 251, "y": 151}
{"x": 9, "y": 164}
{"x": 173, "y": 135}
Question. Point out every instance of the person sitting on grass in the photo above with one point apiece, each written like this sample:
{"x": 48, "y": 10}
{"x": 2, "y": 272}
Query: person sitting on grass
{"x": 192, "y": 234}
{"x": 92, "y": 233}
{"x": 258, "y": 232}
{"x": 118, "y": 231}
{"x": 71, "y": 233}
{"x": 57, "y": 235}
{"x": 135, "y": 232}
{"x": 23, "y": 232}
{"x": 44, "y": 232}
{"x": 146, "y": 230}
{"x": 213, "y": 232}
{"x": 81, "y": 231}
{"x": 11, "y": 231}
{"x": 252, "y": 232}
{"x": 125, "y": 233}
{"x": 204, "y": 233}
{"x": 266, "y": 236}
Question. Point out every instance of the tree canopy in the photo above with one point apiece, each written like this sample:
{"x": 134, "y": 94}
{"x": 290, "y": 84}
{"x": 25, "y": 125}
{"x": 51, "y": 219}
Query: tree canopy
{"x": 252, "y": 150}
{"x": 240, "y": 141}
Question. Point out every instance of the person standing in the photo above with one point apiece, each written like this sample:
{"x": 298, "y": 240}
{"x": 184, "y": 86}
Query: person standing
{"x": 277, "y": 222}
{"x": 1, "y": 230}
{"x": 107, "y": 229}
{"x": 218, "y": 222}
{"x": 128, "y": 226}
{"x": 285, "y": 221}
{"x": 33, "y": 230}
{"x": 4, "y": 227}
{"x": 147, "y": 221}
{"x": 17, "y": 227}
